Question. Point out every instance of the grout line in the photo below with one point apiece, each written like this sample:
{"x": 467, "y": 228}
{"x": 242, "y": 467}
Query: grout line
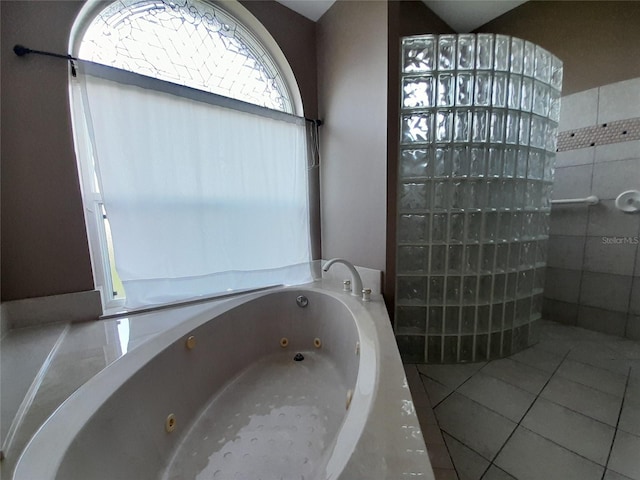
{"x": 523, "y": 416}
{"x": 615, "y": 432}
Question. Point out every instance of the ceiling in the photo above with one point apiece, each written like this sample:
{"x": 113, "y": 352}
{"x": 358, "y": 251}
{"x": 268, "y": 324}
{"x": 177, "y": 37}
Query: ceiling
{"x": 461, "y": 15}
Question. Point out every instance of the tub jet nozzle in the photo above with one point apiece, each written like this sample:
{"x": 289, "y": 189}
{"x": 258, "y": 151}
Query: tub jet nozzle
{"x": 299, "y": 357}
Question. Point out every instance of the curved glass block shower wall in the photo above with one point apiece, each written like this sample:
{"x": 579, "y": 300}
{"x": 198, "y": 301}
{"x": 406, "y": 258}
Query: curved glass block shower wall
{"x": 478, "y": 125}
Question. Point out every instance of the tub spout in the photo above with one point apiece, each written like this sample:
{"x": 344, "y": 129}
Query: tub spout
{"x": 356, "y": 281}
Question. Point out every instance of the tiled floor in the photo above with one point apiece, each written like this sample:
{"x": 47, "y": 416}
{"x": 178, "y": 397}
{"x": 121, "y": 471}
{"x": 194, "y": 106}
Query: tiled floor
{"x": 567, "y": 408}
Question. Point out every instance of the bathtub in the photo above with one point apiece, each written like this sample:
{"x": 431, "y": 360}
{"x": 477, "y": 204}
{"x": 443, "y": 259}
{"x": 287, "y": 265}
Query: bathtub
{"x": 292, "y": 383}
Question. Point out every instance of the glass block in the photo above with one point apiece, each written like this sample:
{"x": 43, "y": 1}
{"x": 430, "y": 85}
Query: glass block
{"x": 509, "y": 311}
{"x": 514, "y": 257}
{"x": 411, "y": 320}
{"x": 523, "y": 311}
{"x": 511, "y": 131}
{"x": 556, "y": 73}
{"x": 496, "y": 129}
{"x": 413, "y": 196}
{"x": 453, "y": 292}
{"x": 468, "y": 318}
{"x": 488, "y": 257}
{"x": 411, "y": 348}
{"x": 480, "y": 130}
{"x": 490, "y": 227}
{"x": 502, "y": 257}
{"x": 529, "y": 59}
{"x": 474, "y": 227}
{"x": 466, "y": 348}
{"x": 466, "y": 52}
{"x": 536, "y": 306}
{"x": 464, "y": 89}
{"x": 419, "y": 54}
{"x": 436, "y": 320}
{"x": 536, "y": 165}
{"x": 456, "y": 230}
{"x": 528, "y": 254}
{"x": 494, "y": 166}
{"x": 441, "y": 195}
{"x": 538, "y": 131}
{"x": 416, "y": 128}
{"x": 412, "y": 228}
{"x": 438, "y": 259}
{"x": 412, "y": 259}
{"x": 525, "y": 127}
{"x": 444, "y": 126}
{"x": 484, "y": 289}
{"x": 462, "y": 126}
{"x": 506, "y": 342}
{"x": 522, "y": 162}
{"x": 442, "y": 162}
{"x": 554, "y": 106}
{"x": 515, "y": 89}
{"x": 446, "y": 90}
{"x": 471, "y": 256}
{"x": 446, "y": 52}
{"x": 501, "y": 62}
{"x": 469, "y": 290}
{"x": 439, "y": 228}
{"x": 507, "y": 194}
{"x": 534, "y": 333}
{"x": 551, "y": 137}
{"x": 497, "y": 314}
{"x": 504, "y": 226}
{"x": 436, "y": 290}
{"x": 455, "y": 259}
{"x": 540, "y": 102}
{"x": 434, "y": 349}
{"x": 473, "y": 195}
{"x": 500, "y": 83}
{"x": 509, "y": 164}
{"x": 483, "y": 89}
{"x": 495, "y": 195}
{"x": 541, "y": 257}
{"x": 542, "y": 67}
{"x": 477, "y": 162}
{"x": 418, "y": 92}
{"x": 450, "y": 349}
{"x": 414, "y": 163}
{"x": 517, "y": 50}
{"x": 482, "y": 348}
{"x": 499, "y": 282}
{"x": 519, "y": 190}
{"x": 484, "y": 314}
{"x": 484, "y": 51}
{"x": 549, "y": 167}
{"x": 412, "y": 290}
{"x": 495, "y": 345}
{"x": 526, "y": 97}
{"x": 525, "y": 282}
{"x": 457, "y": 191}
{"x": 460, "y": 161}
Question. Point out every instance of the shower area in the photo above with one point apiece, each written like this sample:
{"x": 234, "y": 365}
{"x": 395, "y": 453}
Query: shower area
{"x": 478, "y": 126}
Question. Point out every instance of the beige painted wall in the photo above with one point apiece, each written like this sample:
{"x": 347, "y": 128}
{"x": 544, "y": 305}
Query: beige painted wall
{"x": 598, "y": 41}
{"x": 352, "y": 93}
{"x": 44, "y": 243}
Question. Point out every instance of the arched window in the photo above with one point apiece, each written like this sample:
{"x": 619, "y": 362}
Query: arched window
{"x": 193, "y": 160}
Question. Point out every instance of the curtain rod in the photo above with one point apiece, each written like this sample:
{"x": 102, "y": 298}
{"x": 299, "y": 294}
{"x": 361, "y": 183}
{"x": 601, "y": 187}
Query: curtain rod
{"x": 21, "y": 51}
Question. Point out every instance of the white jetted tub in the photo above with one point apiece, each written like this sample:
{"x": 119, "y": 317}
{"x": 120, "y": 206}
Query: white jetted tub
{"x": 291, "y": 383}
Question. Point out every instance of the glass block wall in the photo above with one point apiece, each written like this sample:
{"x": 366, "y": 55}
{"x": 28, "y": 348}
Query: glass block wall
{"x": 478, "y": 120}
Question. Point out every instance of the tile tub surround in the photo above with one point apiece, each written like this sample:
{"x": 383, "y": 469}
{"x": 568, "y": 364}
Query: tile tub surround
{"x": 567, "y": 408}
{"x": 593, "y": 267}
{"x": 106, "y": 343}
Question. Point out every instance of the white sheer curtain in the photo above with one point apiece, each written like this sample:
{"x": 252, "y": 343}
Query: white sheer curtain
{"x": 201, "y": 198}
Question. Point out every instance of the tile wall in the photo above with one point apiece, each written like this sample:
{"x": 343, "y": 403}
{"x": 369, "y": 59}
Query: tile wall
{"x": 593, "y": 267}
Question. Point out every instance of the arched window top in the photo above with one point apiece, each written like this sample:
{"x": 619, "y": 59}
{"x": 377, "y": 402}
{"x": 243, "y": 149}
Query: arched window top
{"x": 189, "y": 42}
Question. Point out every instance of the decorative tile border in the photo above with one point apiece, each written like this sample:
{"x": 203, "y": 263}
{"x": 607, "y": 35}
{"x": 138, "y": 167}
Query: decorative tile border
{"x": 611, "y": 132}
